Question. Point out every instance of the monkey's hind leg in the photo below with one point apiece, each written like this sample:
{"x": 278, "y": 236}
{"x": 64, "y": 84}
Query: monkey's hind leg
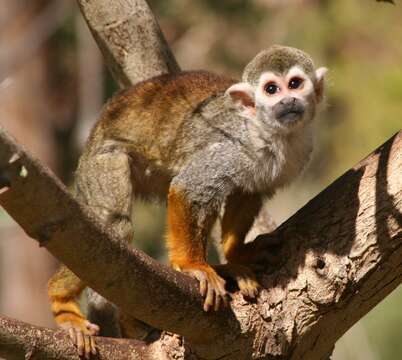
{"x": 240, "y": 212}
{"x": 188, "y": 228}
{"x": 63, "y": 289}
{"x": 103, "y": 184}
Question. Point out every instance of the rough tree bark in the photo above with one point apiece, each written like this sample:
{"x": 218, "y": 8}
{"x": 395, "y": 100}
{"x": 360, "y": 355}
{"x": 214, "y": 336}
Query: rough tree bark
{"x": 341, "y": 254}
{"x": 130, "y": 39}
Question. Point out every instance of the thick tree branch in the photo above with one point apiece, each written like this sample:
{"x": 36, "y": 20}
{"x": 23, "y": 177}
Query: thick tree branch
{"x": 44, "y": 208}
{"x": 348, "y": 252}
{"x": 20, "y": 341}
{"x": 129, "y": 38}
{"x": 343, "y": 255}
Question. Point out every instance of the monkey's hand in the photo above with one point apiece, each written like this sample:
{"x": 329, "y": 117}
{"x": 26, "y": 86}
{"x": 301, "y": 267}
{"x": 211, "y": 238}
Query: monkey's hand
{"x": 243, "y": 276}
{"x": 212, "y": 286}
{"x": 80, "y": 330}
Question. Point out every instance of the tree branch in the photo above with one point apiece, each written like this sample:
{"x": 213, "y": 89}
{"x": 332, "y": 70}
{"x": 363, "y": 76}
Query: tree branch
{"x": 21, "y": 341}
{"x": 343, "y": 254}
{"x": 45, "y": 209}
{"x": 130, "y": 39}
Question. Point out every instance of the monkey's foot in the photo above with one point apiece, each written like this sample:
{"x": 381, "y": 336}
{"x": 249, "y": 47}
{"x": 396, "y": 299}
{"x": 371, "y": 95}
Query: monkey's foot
{"x": 81, "y": 332}
{"x": 244, "y": 277}
{"x": 212, "y": 286}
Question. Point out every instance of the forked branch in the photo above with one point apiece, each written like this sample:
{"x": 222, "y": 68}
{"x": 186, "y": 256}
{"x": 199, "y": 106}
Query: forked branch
{"x": 340, "y": 255}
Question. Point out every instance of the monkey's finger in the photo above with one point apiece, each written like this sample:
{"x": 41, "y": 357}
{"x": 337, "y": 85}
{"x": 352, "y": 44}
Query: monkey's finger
{"x": 72, "y": 335}
{"x": 249, "y": 287}
{"x": 87, "y": 346}
{"x": 252, "y": 291}
{"x": 256, "y": 291}
{"x": 222, "y": 293}
{"x": 244, "y": 291}
{"x": 219, "y": 285}
{"x": 203, "y": 287}
{"x": 80, "y": 342}
{"x": 93, "y": 345}
{"x": 209, "y": 299}
{"x": 206, "y": 306}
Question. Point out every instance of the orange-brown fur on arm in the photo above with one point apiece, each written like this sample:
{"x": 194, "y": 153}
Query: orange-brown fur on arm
{"x": 187, "y": 242}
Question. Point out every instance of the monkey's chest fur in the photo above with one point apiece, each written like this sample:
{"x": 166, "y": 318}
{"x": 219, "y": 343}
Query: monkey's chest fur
{"x": 281, "y": 159}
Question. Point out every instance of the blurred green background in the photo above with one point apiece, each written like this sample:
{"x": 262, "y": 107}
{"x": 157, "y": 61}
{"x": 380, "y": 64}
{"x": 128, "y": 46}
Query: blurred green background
{"x": 53, "y": 84}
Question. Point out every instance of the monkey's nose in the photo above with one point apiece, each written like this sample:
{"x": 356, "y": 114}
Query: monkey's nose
{"x": 288, "y": 110}
{"x": 288, "y": 101}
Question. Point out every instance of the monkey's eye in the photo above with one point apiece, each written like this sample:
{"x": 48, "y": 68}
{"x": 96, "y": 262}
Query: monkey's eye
{"x": 295, "y": 83}
{"x": 271, "y": 88}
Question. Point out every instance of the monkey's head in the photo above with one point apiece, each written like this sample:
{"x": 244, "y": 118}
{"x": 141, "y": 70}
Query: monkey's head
{"x": 280, "y": 89}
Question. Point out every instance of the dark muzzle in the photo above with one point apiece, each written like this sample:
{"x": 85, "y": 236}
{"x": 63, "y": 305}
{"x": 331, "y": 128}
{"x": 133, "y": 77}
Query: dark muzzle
{"x": 288, "y": 110}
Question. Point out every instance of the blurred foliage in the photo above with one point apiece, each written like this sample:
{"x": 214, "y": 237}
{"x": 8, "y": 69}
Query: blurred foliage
{"x": 384, "y": 327}
{"x": 149, "y": 226}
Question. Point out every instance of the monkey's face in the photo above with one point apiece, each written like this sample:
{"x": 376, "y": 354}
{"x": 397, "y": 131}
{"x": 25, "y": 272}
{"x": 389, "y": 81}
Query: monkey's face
{"x": 284, "y": 101}
{"x": 280, "y": 102}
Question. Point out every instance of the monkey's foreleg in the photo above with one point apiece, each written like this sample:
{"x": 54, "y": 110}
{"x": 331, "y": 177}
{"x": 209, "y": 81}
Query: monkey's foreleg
{"x": 187, "y": 241}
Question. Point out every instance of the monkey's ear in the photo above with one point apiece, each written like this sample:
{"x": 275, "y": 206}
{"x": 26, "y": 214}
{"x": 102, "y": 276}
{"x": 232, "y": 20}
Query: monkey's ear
{"x": 242, "y": 95}
{"x": 319, "y": 84}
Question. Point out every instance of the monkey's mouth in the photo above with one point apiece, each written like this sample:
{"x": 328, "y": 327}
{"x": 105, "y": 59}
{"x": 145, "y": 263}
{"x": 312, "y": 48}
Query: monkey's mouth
{"x": 290, "y": 114}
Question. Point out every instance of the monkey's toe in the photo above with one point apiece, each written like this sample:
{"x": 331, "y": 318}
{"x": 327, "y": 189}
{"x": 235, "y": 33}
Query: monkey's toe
{"x": 249, "y": 287}
{"x": 82, "y": 335}
{"x": 84, "y": 343}
{"x": 216, "y": 295}
{"x": 212, "y": 286}
{"x": 243, "y": 276}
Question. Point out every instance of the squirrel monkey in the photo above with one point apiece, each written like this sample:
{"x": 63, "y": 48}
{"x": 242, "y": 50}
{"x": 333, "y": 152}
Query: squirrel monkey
{"x": 201, "y": 141}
